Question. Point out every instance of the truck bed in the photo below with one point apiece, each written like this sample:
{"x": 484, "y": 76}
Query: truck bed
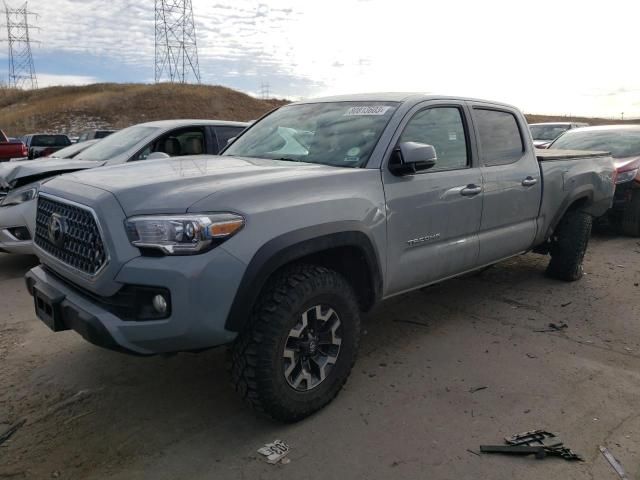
{"x": 545, "y": 155}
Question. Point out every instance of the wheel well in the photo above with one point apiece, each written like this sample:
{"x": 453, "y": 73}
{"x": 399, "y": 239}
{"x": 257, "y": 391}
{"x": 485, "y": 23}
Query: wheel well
{"x": 577, "y": 204}
{"x": 350, "y": 262}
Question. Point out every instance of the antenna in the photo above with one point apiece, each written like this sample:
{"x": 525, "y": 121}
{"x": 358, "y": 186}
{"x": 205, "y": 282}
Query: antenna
{"x": 176, "y": 46}
{"x": 22, "y": 72}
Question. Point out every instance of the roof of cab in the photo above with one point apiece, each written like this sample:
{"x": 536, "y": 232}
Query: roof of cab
{"x": 187, "y": 122}
{"x": 395, "y": 97}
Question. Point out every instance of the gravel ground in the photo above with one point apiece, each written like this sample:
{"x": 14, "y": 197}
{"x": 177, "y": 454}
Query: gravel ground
{"x": 412, "y": 408}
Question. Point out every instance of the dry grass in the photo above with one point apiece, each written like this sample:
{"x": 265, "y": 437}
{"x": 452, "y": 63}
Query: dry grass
{"x": 71, "y": 109}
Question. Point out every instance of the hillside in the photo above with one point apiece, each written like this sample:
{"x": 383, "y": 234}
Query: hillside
{"x": 73, "y": 109}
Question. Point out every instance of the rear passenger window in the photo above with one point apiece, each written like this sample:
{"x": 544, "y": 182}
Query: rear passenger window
{"x": 500, "y": 138}
{"x": 443, "y": 128}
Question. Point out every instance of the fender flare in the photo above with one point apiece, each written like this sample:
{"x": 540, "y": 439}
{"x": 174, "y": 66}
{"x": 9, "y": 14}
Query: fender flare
{"x": 293, "y": 246}
{"x": 584, "y": 193}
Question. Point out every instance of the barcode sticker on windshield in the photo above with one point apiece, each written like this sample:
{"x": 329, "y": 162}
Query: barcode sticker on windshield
{"x": 367, "y": 110}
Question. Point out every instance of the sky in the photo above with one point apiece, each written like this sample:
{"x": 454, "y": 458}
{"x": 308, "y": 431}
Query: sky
{"x": 546, "y": 56}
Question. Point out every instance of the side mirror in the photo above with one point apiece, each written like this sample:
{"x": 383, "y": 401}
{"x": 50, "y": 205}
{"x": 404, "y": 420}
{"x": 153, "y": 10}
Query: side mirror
{"x": 412, "y": 157}
{"x": 157, "y": 155}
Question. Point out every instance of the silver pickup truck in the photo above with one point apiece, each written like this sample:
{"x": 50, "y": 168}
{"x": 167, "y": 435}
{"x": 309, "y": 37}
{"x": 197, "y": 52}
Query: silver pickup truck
{"x": 314, "y": 214}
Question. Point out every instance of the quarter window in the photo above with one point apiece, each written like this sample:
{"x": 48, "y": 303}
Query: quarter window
{"x": 500, "y": 138}
{"x": 443, "y": 128}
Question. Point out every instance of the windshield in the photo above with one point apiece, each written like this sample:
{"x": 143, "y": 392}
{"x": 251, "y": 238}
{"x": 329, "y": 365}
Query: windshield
{"x": 620, "y": 143}
{"x": 340, "y": 134}
{"x": 117, "y": 143}
{"x": 73, "y": 150}
{"x": 50, "y": 141}
{"x": 547, "y": 132}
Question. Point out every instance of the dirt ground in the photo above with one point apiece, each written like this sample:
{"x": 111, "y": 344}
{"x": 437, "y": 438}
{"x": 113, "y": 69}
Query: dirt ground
{"x": 410, "y": 410}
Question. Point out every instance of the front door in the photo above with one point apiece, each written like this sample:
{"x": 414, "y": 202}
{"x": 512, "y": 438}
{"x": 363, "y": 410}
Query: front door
{"x": 433, "y": 216}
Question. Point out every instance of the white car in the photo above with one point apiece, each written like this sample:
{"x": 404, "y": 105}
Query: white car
{"x": 20, "y": 181}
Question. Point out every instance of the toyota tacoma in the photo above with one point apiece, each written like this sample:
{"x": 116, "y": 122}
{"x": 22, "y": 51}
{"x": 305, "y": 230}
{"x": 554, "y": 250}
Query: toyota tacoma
{"x": 314, "y": 214}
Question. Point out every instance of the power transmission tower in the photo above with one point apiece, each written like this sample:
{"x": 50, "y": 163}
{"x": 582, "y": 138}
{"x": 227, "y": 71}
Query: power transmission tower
{"x": 264, "y": 91}
{"x": 22, "y": 72}
{"x": 176, "y": 46}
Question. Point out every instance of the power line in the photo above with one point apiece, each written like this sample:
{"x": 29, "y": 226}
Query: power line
{"x": 175, "y": 47}
{"x": 22, "y": 72}
{"x": 264, "y": 91}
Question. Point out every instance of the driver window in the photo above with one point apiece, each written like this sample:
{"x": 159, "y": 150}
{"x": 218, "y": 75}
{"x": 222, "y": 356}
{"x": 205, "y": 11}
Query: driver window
{"x": 189, "y": 141}
{"x": 443, "y": 128}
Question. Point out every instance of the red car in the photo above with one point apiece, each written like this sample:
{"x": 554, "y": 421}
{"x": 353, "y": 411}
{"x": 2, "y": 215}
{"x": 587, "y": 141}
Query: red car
{"x": 11, "y": 148}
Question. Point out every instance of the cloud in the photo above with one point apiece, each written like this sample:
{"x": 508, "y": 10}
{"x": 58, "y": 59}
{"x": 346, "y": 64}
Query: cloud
{"x": 496, "y": 49}
{"x": 49, "y": 80}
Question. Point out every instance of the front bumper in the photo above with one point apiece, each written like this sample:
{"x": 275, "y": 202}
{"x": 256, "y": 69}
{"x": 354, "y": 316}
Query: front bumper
{"x": 202, "y": 289}
{"x": 22, "y": 215}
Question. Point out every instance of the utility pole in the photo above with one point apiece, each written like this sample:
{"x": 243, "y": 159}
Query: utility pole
{"x": 22, "y": 72}
{"x": 264, "y": 91}
{"x": 623, "y": 116}
{"x": 176, "y": 48}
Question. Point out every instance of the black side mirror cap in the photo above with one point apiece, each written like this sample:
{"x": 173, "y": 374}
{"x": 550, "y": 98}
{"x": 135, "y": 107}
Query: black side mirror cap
{"x": 411, "y": 157}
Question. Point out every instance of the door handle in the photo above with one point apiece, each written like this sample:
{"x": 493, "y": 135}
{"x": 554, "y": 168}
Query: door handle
{"x": 471, "y": 190}
{"x": 529, "y": 182}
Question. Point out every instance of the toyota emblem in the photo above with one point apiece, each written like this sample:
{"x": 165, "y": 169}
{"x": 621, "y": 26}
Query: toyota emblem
{"x": 57, "y": 230}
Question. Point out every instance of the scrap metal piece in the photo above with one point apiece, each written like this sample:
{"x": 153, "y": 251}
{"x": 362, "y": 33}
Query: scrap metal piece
{"x": 614, "y": 463}
{"x": 539, "y": 452}
{"x": 275, "y": 452}
{"x": 531, "y": 443}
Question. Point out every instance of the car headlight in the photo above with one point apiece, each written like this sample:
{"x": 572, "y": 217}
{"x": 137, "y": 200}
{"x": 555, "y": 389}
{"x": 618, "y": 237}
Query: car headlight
{"x": 19, "y": 196}
{"x": 182, "y": 234}
{"x": 627, "y": 176}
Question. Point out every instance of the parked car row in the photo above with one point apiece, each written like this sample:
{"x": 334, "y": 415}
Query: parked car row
{"x": 20, "y": 181}
{"x": 310, "y": 216}
{"x": 623, "y": 143}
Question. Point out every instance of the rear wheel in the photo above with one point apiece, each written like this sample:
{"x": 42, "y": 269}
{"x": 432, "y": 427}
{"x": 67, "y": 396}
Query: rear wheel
{"x": 631, "y": 216}
{"x": 569, "y": 245}
{"x": 300, "y": 345}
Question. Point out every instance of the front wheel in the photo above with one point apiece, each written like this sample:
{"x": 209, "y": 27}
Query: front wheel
{"x": 569, "y": 245}
{"x": 300, "y": 345}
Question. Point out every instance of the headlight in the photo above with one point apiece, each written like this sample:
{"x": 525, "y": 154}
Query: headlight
{"x": 19, "y": 196}
{"x": 627, "y": 176}
{"x": 182, "y": 234}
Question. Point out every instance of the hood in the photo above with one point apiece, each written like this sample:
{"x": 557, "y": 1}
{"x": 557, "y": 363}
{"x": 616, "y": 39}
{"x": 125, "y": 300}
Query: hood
{"x": 625, "y": 163}
{"x": 173, "y": 185}
{"x": 13, "y": 174}
{"x": 541, "y": 143}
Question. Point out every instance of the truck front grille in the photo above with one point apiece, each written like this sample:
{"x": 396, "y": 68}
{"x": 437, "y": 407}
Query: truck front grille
{"x": 70, "y": 233}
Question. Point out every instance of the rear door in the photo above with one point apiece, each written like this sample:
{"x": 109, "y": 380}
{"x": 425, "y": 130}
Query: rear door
{"x": 433, "y": 216}
{"x": 512, "y": 183}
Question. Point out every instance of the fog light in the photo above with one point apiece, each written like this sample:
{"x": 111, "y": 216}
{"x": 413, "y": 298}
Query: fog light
{"x": 160, "y": 304}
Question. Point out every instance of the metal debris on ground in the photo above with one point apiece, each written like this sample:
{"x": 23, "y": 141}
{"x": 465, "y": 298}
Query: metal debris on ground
{"x": 477, "y": 389}
{"x": 538, "y": 442}
{"x": 11, "y": 430}
{"x": 553, "y": 327}
{"x": 614, "y": 463}
{"x": 275, "y": 452}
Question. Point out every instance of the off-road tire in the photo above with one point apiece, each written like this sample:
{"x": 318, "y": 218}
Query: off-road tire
{"x": 257, "y": 370}
{"x": 630, "y": 223}
{"x": 568, "y": 246}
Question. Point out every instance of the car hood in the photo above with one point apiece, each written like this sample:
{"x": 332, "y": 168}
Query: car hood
{"x": 173, "y": 185}
{"x": 13, "y": 174}
{"x": 624, "y": 163}
{"x": 541, "y": 143}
